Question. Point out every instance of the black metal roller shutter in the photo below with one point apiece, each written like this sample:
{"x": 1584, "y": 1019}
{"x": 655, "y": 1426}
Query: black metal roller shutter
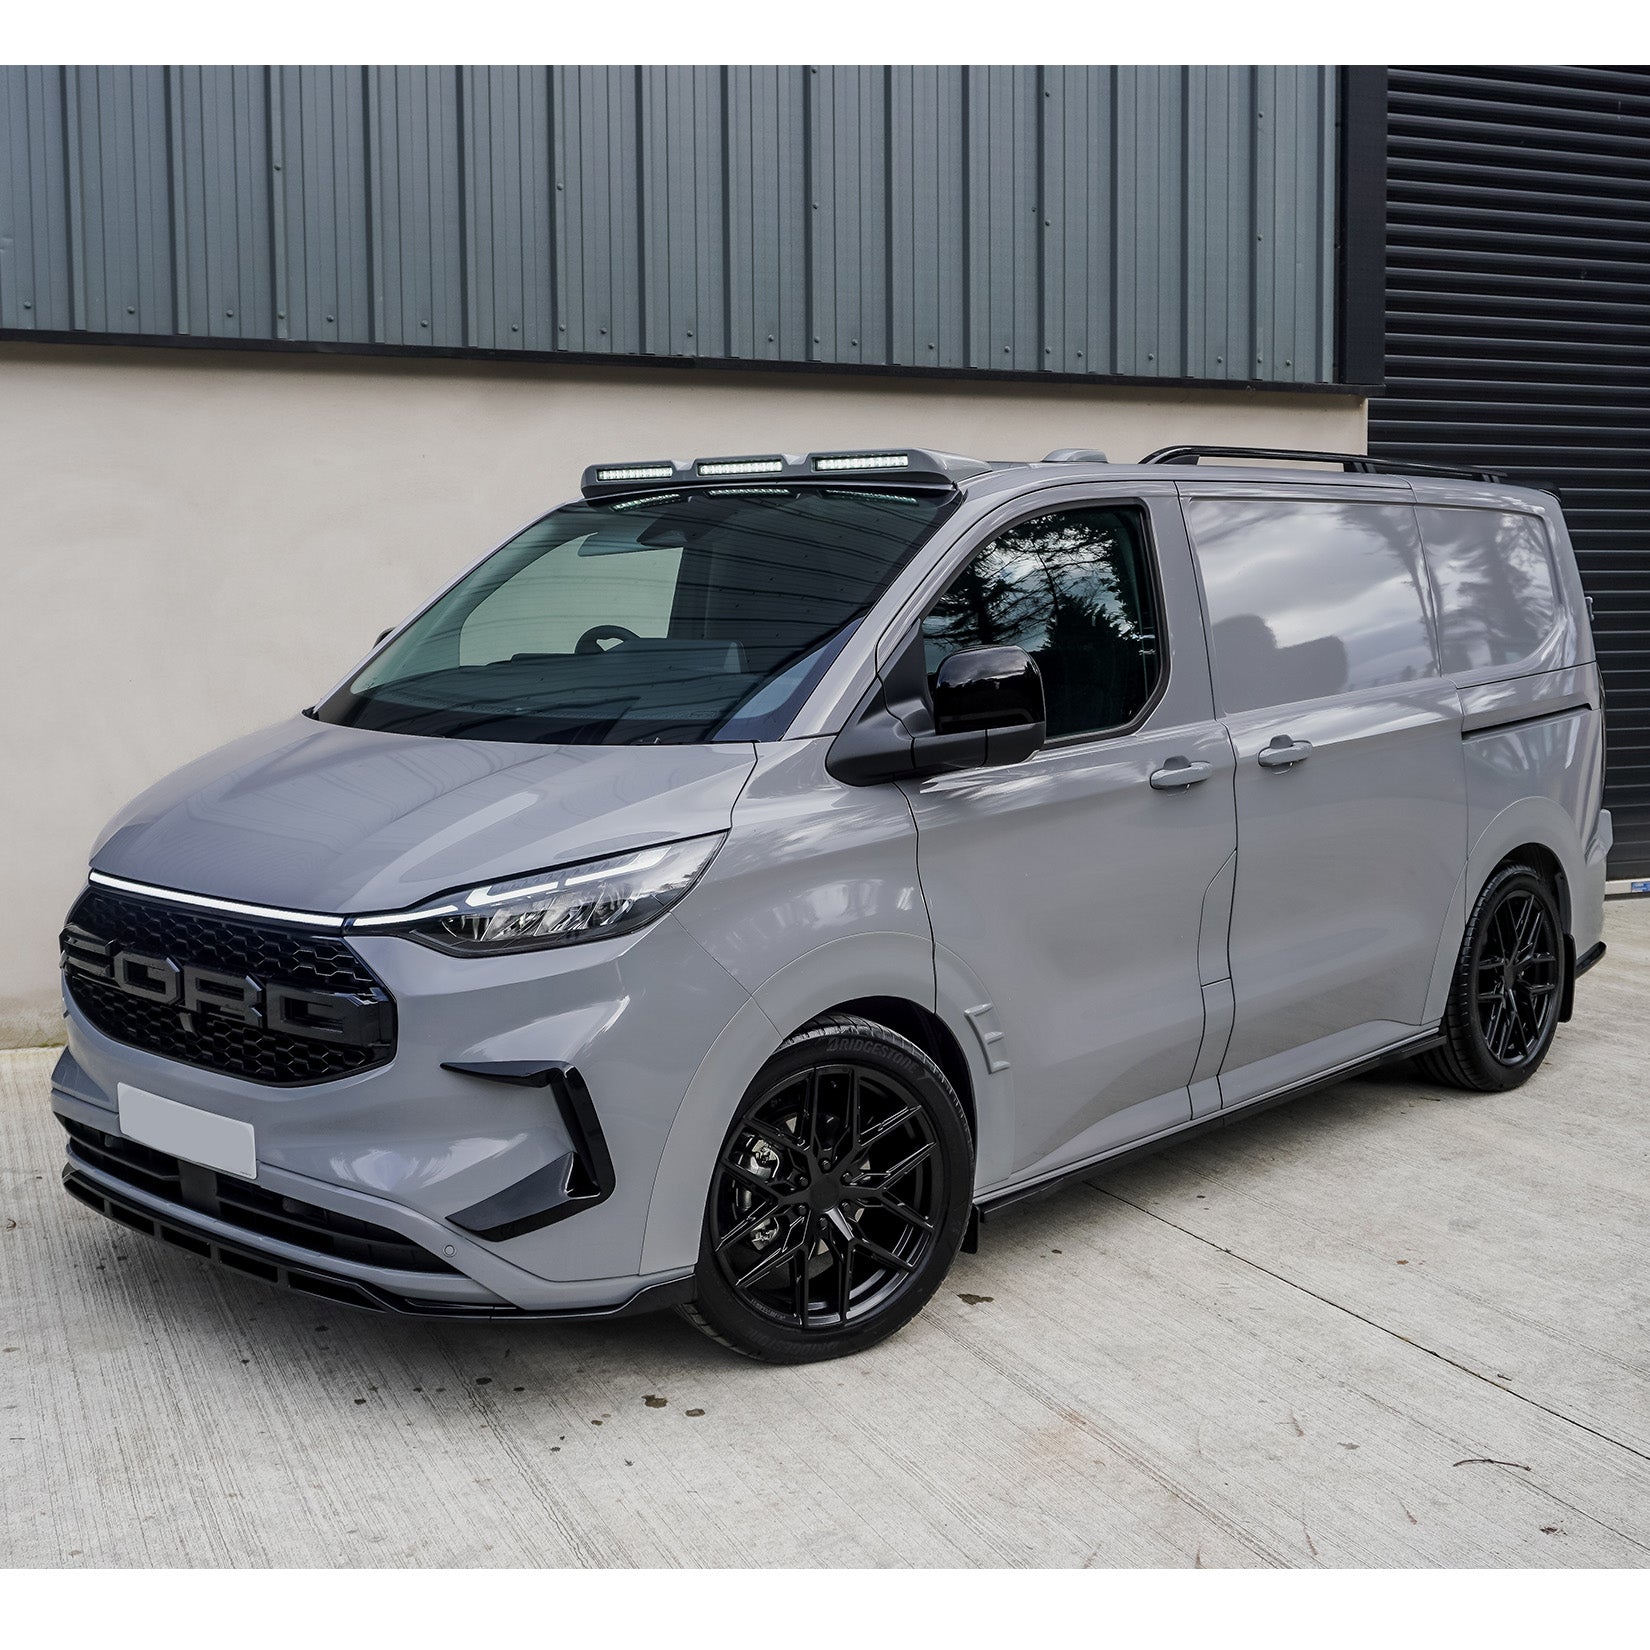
{"x": 1518, "y": 333}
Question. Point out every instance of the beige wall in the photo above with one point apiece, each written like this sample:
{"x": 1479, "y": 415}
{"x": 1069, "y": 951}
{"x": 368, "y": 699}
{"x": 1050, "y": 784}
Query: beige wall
{"x": 197, "y": 544}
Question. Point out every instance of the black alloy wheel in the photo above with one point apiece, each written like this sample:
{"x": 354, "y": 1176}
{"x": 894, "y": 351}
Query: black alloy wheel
{"x": 1517, "y": 977}
{"x": 1508, "y": 986}
{"x": 838, "y": 1199}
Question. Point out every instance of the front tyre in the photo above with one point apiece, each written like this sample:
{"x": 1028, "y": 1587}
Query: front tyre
{"x": 1509, "y": 978}
{"x": 839, "y": 1197}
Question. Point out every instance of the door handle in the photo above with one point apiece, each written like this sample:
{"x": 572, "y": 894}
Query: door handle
{"x": 1284, "y": 752}
{"x": 1177, "y": 773}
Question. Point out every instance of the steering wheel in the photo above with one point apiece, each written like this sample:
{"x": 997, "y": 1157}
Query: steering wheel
{"x": 590, "y": 642}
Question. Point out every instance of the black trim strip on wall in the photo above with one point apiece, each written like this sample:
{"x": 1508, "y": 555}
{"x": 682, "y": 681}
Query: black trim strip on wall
{"x": 672, "y": 363}
{"x": 1360, "y": 229}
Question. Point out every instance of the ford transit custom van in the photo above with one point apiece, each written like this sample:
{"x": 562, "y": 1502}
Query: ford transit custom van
{"x": 761, "y": 869}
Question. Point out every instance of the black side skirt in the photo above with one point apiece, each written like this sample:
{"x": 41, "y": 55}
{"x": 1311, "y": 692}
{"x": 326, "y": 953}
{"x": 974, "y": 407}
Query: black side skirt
{"x": 998, "y": 1201}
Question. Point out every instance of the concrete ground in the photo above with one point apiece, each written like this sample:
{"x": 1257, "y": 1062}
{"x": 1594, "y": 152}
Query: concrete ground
{"x": 1385, "y": 1325}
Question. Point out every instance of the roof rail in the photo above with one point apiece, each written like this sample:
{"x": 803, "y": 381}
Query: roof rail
{"x": 1358, "y": 463}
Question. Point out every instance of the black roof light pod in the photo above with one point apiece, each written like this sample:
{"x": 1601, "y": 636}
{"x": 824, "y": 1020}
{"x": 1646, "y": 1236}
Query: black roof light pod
{"x": 905, "y": 467}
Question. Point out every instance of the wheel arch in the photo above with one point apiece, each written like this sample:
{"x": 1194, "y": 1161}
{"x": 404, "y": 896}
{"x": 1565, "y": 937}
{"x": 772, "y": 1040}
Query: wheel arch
{"x": 1534, "y": 830}
{"x": 892, "y": 971}
{"x": 1541, "y": 858}
{"x": 931, "y": 1034}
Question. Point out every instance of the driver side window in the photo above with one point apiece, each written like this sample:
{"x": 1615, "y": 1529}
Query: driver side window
{"x": 1074, "y": 589}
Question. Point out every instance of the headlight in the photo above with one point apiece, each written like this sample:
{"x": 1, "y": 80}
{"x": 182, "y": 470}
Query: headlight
{"x": 595, "y": 900}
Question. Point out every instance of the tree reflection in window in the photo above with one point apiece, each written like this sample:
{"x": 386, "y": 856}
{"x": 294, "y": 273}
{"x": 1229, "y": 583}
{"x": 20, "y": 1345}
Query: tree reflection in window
{"x": 1072, "y": 588}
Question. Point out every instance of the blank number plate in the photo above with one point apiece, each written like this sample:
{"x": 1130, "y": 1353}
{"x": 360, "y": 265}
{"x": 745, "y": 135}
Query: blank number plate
{"x": 197, "y": 1136}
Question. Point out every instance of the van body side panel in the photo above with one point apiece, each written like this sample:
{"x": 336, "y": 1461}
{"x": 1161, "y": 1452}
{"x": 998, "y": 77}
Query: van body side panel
{"x": 1346, "y": 869}
{"x": 813, "y": 901}
{"x": 1510, "y": 701}
{"x": 1350, "y": 779}
{"x": 1074, "y": 892}
{"x": 1535, "y": 774}
{"x": 1517, "y": 642}
{"x": 808, "y": 862}
{"x": 963, "y": 1003}
{"x": 1527, "y": 784}
{"x": 1214, "y": 960}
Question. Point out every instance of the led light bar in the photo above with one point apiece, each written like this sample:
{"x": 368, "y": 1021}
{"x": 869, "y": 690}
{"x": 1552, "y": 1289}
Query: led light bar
{"x": 740, "y": 466}
{"x": 638, "y": 472}
{"x": 864, "y": 461}
{"x": 646, "y": 498}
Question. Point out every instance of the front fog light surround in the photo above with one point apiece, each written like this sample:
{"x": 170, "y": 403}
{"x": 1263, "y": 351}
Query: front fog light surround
{"x": 597, "y": 899}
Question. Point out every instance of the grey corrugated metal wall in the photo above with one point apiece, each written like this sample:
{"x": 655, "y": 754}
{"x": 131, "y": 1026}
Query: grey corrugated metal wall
{"x": 1148, "y": 223}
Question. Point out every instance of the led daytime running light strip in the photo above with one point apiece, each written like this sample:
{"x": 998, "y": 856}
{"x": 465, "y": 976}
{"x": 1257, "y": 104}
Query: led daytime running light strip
{"x": 171, "y": 896}
{"x": 476, "y": 901}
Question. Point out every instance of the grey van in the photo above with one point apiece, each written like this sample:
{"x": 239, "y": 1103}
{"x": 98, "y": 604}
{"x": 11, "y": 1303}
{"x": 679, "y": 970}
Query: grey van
{"x": 756, "y": 873}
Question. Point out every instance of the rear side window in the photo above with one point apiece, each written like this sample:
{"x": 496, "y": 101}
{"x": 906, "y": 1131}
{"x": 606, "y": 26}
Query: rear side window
{"x": 1074, "y": 589}
{"x": 1494, "y": 577}
{"x": 1309, "y": 599}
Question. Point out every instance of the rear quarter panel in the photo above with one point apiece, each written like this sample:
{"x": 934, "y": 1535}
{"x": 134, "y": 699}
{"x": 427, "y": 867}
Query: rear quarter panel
{"x": 1533, "y": 739}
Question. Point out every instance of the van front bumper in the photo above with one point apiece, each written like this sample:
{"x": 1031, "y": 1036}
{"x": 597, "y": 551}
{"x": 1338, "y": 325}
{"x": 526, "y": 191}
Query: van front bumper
{"x": 306, "y": 1224}
{"x": 400, "y": 1187}
{"x": 383, "y": 1291}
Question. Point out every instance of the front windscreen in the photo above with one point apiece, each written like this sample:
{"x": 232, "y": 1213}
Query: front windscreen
{"x": 668, "y": 619}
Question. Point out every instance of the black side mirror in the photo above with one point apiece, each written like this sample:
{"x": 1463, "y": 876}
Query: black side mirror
{"x": 989, "y": 689}
{"x": 382, "y": 634}
{"x": 985, "y": 711}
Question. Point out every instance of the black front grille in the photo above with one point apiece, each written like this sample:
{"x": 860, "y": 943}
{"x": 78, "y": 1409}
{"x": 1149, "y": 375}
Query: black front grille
{"x": 344, "y": 1017}
{"x": 250, "y": 1207}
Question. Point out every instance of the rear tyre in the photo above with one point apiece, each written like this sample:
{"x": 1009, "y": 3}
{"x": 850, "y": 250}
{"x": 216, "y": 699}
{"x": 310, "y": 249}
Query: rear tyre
{"x": 839, "y": 1197}
{"x": 1509, "y": 979}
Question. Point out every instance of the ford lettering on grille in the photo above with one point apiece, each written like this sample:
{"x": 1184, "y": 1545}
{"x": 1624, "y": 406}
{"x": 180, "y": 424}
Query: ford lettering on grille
{"x": 235, "y": 996}
{"x": 328, "y": 1016}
